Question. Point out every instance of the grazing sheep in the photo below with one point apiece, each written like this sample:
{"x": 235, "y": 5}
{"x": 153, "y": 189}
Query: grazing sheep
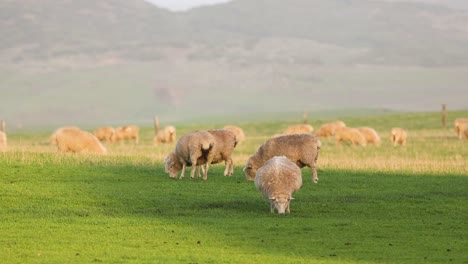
{"x": 371, "y": 135}
{"x": 53, "y": 137}
{"x": 398, "y": 136}
{"x": 165, "y": 135}
{"x": 299, "y": 129}
{"x": 302, "y": 149}
{"x": 3, "y": 141}
{"x": 463, "y": 130}
{"x": 104, "y": 133}
{"x": 126, "y": 133}
{"x": 239, "y": 132}
{"x": 225, "y": 144}
{"x": 278, "y": 179}
{"x": 329, "y": 129}
{"x": 459, "y": 122}
{"x": 189, "y": 149}
{"x": 77, "y": 141}
{"x": 352, "y": 135}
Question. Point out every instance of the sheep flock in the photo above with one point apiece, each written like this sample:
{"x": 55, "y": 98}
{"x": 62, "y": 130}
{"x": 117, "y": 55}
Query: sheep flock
{"x": 274, "y": 168}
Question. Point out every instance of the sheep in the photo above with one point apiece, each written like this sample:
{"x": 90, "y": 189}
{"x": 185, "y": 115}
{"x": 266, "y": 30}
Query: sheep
{"x": 70, "y": 139}
{"x": 302, "y": 149}
{"x": 165, "y": 135}
{"x": 53, "y": 137}
{"x": 239, "y": 132}
{"x": 398, "y": 136}
{"x": 458, "y": 124}
{"x": 278, "y": 179}
{"x": 189, "y": 149}
{"x": 371, "y": 135}
{"x": 225, "y": 144}
{"x": 352, "y": 135}
{"x": 463, "y": 134}
{"x": 126, "y": 132}
{"x": 329, "y": 129}
{"x": 104, "y": 133}
{"x": 3, "y": 141}
{"x": 299, "y": 129}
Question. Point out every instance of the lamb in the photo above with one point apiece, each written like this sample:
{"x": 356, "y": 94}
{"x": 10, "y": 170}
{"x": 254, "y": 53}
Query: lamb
{"x": 3, "y": 141}
{"x": 165, "y": 135}
{"x": 225, "y": 144}
{"x": 302, "y": 149}
{"x": 371, "y": 135}
{"x": 126, "y": 133}
{"x": 352, "y": 135}
{"x": 239, "y": 132}
{"x": 278, "y": 179}
{"x": 104, "y": 133}
{"x": 53, "y": 137}
{"x": 299, "y": 129}
{"x": 70, "y": 139}
{"x": 189, "y": 149}
{"x": 398, "y": 136}
{"x": 329, "y": 129}
{"x": 459, "y": 122}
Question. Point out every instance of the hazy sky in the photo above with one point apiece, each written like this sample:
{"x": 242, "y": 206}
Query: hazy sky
{"x": 181, "y": 5}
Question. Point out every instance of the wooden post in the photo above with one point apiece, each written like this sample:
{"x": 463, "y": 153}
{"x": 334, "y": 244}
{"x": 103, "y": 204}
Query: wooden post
{"x": 304, "y": 117}
{"x": 444, "y": 116}
{"x": 156, "y": 124}
{"x": 4, "y": 126}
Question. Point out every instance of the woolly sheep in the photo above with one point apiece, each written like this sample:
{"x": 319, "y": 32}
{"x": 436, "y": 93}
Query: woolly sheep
{"x": 189, "y": 149}
{"x": 329, "y": 129}
{"x": 398, "y": 136}
{"x": 459, "y": 122}
{"x": 225, "y": 144}
{"x": 3, "y": 141}
{"x": 165, "y": 135}
{"x": 75, "y": 140}
{"x": 278, "y": 179}
{"x": 104, "y": 133}
{"x": 352, "y": 135}
{"x": 299, "y": 129}
{"x": 371, "y": 135}
{"x": 239, "y": 132}
{"x": 463, "y": 130}
{"x": 302, "y": 149}
{"x": 126, "y": 133}
{"x": 53, "y": 137}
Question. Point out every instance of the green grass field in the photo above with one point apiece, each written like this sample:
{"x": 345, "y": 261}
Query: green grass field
{"x": 372, "y": 205}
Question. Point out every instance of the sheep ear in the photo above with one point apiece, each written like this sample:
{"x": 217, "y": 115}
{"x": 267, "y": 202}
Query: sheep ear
{"x": 291, "y": 198}
{"x": 272, "y": 198}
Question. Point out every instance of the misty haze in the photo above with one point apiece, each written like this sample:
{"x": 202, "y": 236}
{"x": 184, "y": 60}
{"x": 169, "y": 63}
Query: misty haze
{"x": 113, "y": 61}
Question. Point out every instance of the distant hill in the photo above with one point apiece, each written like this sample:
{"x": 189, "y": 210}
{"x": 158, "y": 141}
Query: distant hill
{"x": 121, "y": 61}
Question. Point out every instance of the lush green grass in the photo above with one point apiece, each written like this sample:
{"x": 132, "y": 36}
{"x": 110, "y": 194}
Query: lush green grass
{"x": 372, "y": 205}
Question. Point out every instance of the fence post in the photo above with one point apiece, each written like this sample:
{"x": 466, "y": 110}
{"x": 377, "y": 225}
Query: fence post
{"x": 156, "y": 124}
{"x": 444, "y": 116}
{"x": 304, "y": 117}
{"x": 4, "y": 126}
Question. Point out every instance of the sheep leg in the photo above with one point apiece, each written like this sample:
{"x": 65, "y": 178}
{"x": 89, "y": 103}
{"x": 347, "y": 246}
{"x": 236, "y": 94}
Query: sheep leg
{"x": 182, "y": 173}
{"x": 194, "y": 167}
{"x": 208, "y": 162}
{"x": 272, "y": 207}
{"x": 231, "y": 167}
{"x": 226, "y": 169}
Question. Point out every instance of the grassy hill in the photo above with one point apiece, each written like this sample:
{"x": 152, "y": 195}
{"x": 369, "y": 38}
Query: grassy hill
{"x": 116, "y": 61}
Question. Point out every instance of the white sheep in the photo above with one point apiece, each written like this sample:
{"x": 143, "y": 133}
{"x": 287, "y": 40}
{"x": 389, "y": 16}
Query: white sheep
{"x": 329, "y": 129}
{"x": 278, "y": 179}
{"x": 225, "y": 144}
{"x": 299, "y": 129}
{"x": 53, "y": 137}
{"x": 371, "y": 135}
{"x": 302, "y": 149}
{"x": 459, "y": 122}
{"x": 398, "y": 136}
{"x": 239, "y": 132}
{"x": 352, "y": 135}
{"x": 3, "y": 141}
{"x": 189, "y": 149}
{"x": 463, "y": 131}
{"x": 165, "y": 135}
{"x": 104, "y": 133}
{"x": 70, "y": 139}
{"x": 126, "y": 133}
